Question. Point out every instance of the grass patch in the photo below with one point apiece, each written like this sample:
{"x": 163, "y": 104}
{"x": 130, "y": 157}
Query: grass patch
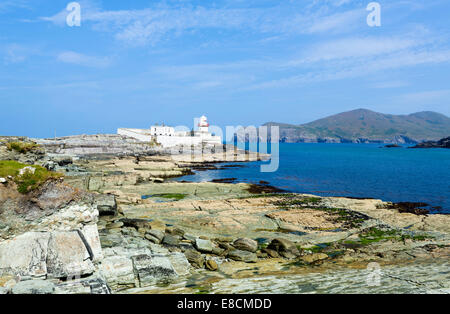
{"x": 172, "y": 196}
{"x": 376, "y": 235}
{"x": 294, "y": 201}
{"x": 28, "y": 181}
{"x": 21, "y": 147}
{"x": 318, "y": 248}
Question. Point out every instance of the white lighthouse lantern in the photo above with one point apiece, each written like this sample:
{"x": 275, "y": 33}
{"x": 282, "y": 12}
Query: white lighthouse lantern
{"x": 203, "y": 125}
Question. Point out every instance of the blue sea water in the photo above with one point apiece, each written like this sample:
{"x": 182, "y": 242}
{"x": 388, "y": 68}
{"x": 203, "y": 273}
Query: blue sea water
{"x": 356, "y": 170}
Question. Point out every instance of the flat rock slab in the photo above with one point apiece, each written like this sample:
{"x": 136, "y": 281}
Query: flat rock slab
{"x": 245, "y": 244}
{"x": 204, "y": 246}
{"x": 153, "y": 269}
{"x": 118, "y": 271}
{"x": 26, "y": 254}
{"x": 34, "y": 287}
{"x": 68, "y": 256}
{"x": 106, "y": 204}
{"x": 242, "y": 256}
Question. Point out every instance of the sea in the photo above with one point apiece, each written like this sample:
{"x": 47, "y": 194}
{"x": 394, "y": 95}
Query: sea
{"x": 352, "y": 170}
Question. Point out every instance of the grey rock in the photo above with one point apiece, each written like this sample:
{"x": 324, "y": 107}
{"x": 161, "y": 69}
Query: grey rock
{"x": 158, "y": 249}
{"x": 4, "y": 290}
{"x": 26, "y": 254}
{"x": 91, "y": 285}
{"x": 114, "y": 225}
{"x": 189, "y": 238}
{"x": 106, "y": 204}
{"x": 211, "y": 265}
{"x": 130, "y": 232}
{"x": 137, "y": 223}
{"x": 118, "y": 271}
{"x": 242, "y": 256}
{"x": 49, "y": 165}
{"x": 284, "y": 247}
{"x": 111, "y": 240}
{"x": 184, "y": 246}
{"x": 245, "y": 244}
{"x": 153, "y": 269}
{"x": 175, "y": 231}
{"x": 171, "y": 240}
{"x": 204, "y": 246}
{"x": 217, "y": 251}
{"x": 34, "y": 287}
{"x": 155, "y": 236}
{"x": 68, "y": 256}
{"x": 195, "y": 258}
{"x": 180, "y": 263}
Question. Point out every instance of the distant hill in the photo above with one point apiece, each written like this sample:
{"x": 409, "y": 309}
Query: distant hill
{"x": 365, "y": 126}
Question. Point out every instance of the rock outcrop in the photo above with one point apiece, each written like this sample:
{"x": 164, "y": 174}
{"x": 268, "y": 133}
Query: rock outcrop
{"x": 443, "y": 143}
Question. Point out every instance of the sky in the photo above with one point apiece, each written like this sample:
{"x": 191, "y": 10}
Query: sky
{"x": 135, "y": 63}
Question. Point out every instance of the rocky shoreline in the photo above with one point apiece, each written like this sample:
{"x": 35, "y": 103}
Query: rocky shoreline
{"x": 443, "y": 143}
{"x": 116, "y": 224}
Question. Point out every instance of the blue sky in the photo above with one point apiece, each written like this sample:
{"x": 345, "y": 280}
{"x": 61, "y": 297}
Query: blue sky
{"x": 133, "y": 63}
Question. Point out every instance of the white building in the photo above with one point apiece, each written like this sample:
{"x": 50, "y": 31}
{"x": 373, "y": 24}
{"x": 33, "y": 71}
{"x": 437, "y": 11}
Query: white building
{"x": 168, "y": 137}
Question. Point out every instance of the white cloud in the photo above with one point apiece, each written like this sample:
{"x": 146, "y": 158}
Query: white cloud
{"x": 17, "y": 53}
{"x": 8, "y": 5}
{"x": 357, "y": 47}
{"x": 336, "y": 22}
{"x": 151, "y": 25}
{"x": 390, "y": 84}
{"x": 83, "y": 60}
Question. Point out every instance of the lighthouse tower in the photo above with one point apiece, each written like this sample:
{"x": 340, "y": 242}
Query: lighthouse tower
{"x": 203, "y": 125}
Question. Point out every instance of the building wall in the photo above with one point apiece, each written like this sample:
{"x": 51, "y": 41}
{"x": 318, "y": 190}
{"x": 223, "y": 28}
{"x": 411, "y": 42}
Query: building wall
{"x": 162, "y": 131}
{"x": 172, "y": 140}
{"x": 138, "y": 134}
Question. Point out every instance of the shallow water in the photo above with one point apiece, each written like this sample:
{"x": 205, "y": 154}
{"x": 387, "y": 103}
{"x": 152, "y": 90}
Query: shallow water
{"x": 356, "y": 170}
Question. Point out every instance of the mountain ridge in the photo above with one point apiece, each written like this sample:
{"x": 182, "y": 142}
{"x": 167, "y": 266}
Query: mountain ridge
{"x": 367, "y": 126}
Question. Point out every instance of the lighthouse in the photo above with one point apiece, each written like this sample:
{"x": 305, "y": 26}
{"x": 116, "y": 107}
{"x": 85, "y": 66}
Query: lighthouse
{"x": 203, "y": 125}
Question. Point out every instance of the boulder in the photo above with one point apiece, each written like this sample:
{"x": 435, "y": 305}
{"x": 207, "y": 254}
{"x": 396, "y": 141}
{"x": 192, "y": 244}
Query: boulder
{"x": 195, "y": 258}
{"x": 91, "y": 285}
{"x": 271, "y": 253}
{"x": 245, "y": 244}
{"x": 154, "y": 236}
{"x": 118, "y": 272}
{"x": 171, "y": 240}
{"x": 4, "y": 290}
{"x": 204, "y": 246}
{"x": 211, "y": 265}
{"x": 3, "y": 180}
{"x": 153, "y": 269}
{"x": 217, "y": 251}
{"x": 242, "y": 256}
{"x": 68, "y": 255}
{"x": 137, "y": 223}
{"x": 26, "y": 255}
{"x": 106, "y": 204}
{"x": 175, "y": 231}
{"x": 109, "y": 240}
{"x": 180, "y": 263}
{"x": 90, "y": 234}
{"x": 34, "y": 287}
{"x": 284, "y": 247}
